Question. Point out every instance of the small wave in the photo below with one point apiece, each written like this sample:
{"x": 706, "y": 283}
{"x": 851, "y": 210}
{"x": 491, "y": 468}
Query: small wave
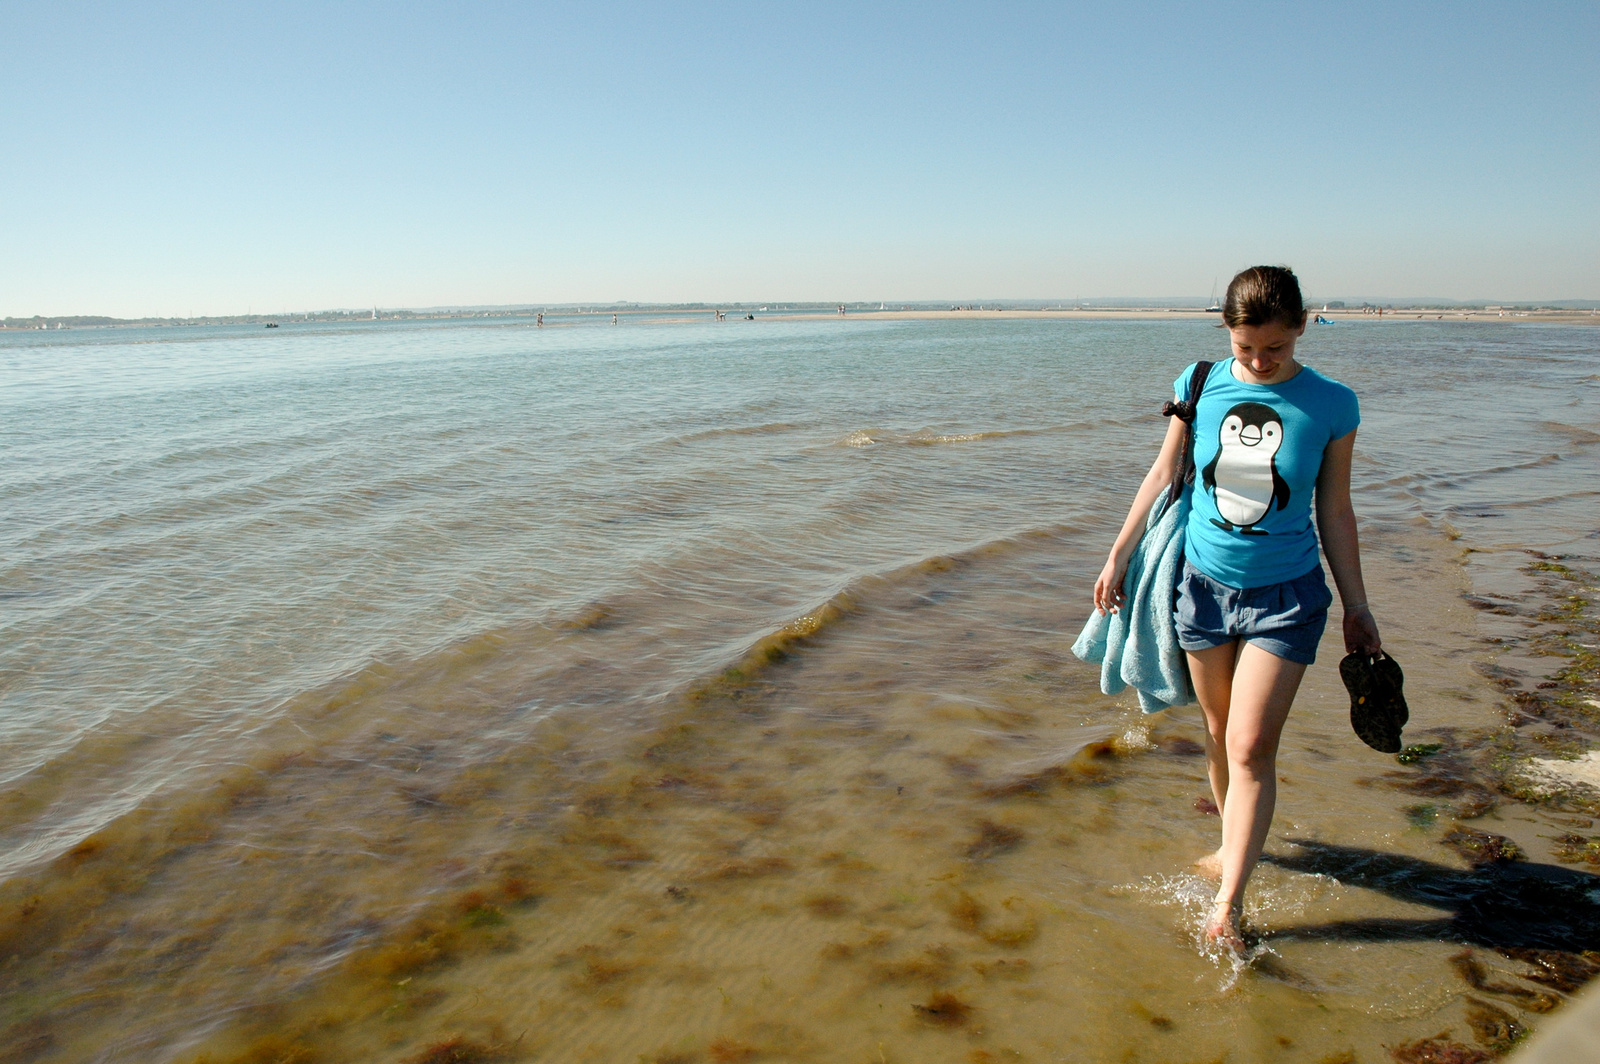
{"x": 927, "y": 439}
{"x": 774, "y": 428}
{"x": 784, "y": 642}
{"x": 1546, "y": 500}
{"x": 774, "y": 647}
{"x": 1458, "y": 479}
{"x": 1577, "y": 433}
{"x": 930, "y": 438}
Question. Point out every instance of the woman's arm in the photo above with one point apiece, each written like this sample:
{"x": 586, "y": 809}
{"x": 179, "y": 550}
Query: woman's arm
{"x": 1108, "y": 586}
{"x": 1336, "y": 523}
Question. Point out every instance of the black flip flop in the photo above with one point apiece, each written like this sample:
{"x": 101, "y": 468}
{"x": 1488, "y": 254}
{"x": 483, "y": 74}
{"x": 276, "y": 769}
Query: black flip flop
{"x": 1377, "y": 699}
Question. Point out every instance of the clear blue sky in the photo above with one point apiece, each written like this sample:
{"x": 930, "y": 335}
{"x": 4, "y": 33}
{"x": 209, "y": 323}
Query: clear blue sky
{"x": 177, "y": 158}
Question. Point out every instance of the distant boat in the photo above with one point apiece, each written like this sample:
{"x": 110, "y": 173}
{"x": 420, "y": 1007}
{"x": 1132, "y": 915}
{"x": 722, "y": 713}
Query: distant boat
{"x": 1215, "y": 307}
{"x": 272, "y": 325}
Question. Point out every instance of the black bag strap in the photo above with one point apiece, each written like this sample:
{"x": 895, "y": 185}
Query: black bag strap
{"x": 1184, "y": 410}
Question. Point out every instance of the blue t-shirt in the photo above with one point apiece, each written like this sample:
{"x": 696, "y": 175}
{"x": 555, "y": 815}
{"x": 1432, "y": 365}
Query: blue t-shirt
{"x": 1257, "y": 451}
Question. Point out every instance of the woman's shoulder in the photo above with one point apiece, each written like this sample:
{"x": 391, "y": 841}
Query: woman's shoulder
{"x": 1337, "y": 400}
{"x": 1317, "y": 379}
{"x": 1181, "y": 386}
{"x": 1325, "y": 384}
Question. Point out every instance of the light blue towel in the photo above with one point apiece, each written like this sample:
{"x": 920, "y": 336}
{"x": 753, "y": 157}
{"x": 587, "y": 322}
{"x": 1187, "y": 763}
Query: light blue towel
{"x": 1137, "y": 646}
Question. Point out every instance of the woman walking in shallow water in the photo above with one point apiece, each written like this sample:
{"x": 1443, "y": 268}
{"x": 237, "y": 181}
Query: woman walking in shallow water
{"x": 1272, "y": 437}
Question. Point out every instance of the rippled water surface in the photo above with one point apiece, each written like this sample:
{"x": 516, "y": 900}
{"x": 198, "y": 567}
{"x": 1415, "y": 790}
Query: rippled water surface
{"x": 732, "y": 656}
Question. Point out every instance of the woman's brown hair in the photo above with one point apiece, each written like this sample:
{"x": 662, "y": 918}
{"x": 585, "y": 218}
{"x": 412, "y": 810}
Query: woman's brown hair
{"x": 1264, "y": 294}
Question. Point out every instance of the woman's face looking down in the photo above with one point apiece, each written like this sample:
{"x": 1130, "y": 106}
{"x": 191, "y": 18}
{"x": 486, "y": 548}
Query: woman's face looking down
{"x": 1265, "y": 353}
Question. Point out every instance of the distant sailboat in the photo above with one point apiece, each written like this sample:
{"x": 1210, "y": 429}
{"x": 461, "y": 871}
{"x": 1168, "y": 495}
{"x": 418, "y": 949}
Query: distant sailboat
{"x": 1215, "y": 307}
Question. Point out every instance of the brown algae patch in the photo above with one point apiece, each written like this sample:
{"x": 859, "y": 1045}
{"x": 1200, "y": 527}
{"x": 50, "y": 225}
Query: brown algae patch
{"x": 1492, "y": 1026}
{"x": 1440, "y": 1049}
{"x": 944, "y": 1009}
{"x": 747, "y": 868}
{"x": 1473, "y": 972}
{"x": 874, "y": 943}
{"x": 934, "y": 966}
{"x": 1553, "y": 719}
{"x": 829, "y": 906}
{"x": 463, "y": 1050}
{"x": 993, "y": 840}
{"x": 1011, "y": 924}
{"x": 1004, "y": 968}
{"x": 1560, "y": 970}
{"x": 732, "y": 1051}
{"x": 1482, "y": 849}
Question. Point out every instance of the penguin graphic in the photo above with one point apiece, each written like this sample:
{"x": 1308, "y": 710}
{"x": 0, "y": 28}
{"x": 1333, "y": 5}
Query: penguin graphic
{"x": 1243, "y": 477}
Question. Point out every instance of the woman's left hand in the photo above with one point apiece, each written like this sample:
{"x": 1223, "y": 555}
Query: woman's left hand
{"x": 1361, "y": 632}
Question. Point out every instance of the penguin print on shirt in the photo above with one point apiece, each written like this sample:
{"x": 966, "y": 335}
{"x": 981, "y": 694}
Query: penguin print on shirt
{"x": 1243, "y": 478}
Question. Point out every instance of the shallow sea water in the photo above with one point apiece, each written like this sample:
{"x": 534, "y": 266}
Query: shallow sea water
{"x": 679, "y": 691}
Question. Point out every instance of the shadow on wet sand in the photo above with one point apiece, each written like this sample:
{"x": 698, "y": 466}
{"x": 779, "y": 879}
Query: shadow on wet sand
{"x": 1508, "y": 906}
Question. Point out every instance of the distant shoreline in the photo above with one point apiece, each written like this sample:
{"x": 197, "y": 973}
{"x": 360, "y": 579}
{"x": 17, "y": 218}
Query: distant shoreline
{"x": 807, "y": 312}
{"x": 735, "y": 314}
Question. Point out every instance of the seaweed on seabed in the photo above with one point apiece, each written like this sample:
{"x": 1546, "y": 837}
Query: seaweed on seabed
{"x": 1576, "y": 849}
{"x": 1017, "y": 929}
{"x": 967, "y": 913}
{"x": 993, "y": 840}
{"x": 269, "y": 1049}
{"x": 731, "y": 1051}
{"x": 945, "y": 1010}
{"x": 26, "y": 1040}
{"x": 1557, "y": 969}
{"x": 1482, "y": 849}
{"x": 1475, "y": 975}
{"x": 933, "y": 966}
{"x": 1442, "y": 772}
{"x": 463, "y": 1050}
{"x": 748, "y": 868}
{"x": 1493, "y": 1026}
{"x": 1440, "y": 1049}
{"x": 1004, "y": 968}
{"x": 828, "y": 906}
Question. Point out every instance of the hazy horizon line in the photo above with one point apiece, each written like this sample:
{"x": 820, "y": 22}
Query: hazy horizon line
{"x": 990, "y": 303}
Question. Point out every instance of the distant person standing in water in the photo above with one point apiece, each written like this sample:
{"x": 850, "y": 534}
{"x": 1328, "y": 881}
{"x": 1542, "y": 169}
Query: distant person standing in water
{"x": 539, "y": 320}
{"x": 1270, "y": 437}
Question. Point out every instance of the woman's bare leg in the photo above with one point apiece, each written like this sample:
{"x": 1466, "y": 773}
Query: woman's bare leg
{"x": 1211, "y": 671}
{"x": 1247, "y": 730}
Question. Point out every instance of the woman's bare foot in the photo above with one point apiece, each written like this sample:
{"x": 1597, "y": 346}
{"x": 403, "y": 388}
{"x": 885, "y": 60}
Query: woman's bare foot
{"x": 1222, "y": 926}
{"x": 1209, "y": 866}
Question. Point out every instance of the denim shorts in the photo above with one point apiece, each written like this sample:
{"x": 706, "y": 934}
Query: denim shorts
{"x": 1284, "y": 619}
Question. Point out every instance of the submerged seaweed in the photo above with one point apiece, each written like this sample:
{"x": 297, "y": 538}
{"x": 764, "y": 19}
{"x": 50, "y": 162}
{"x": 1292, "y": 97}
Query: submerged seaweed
{"x": 945, "y": 1010}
